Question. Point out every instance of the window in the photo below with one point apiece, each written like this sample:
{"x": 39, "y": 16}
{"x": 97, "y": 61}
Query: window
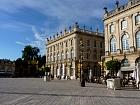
{"x": 137, "y": 19}
{"x": 54, "y": 57}
{"x": 58, "y": 47}
{"x": 50, "y": 49}
{"x": 58, "y": 58}
{"x": 123, "y": 24}
{"x": 88, "y": 42}
{"x": 137, "y": 61}
{"x": 101, "y": 54}
{"x": 51, "y": 57}
{"x": 62, "y": 44}
{"x": 95, "y": 43}
{"x": 125, "y": 44}
{"x": 48, "y": 57}
{"x": 81, "y": 42}
{"x": 101, "y": 45}
{"x": 138, "y": 39}
{"x": 66, "y": 44}
{"x": 113, "y": 44}
{"x": 72, "y": 54}
{"x": 125, "y": 63}
{"x": 54, "y": 48}
{"x": 95, "y": 55}
{"x": 71, "y": 42}
{"x": 112, "y": 28}
{"x": 67, "y": 55}
{"x": 88, "y": 56}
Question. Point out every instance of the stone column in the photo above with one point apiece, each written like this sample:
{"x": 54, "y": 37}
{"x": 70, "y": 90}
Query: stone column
{"x": 75, "y": 47}
{"x": 58, "y": 70}
{"x": 74, "y": 69}
{"x": 55, "y": 71}
{"x": 63, "y": 70}
{"x": 68, "y": 71}
{"x": 117, "y": 35}
{"x": 106, "y": 39}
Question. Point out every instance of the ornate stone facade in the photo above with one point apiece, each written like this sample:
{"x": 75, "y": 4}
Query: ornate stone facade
{"x": 74, "y": 50}
{"x": 122, "y": 34}
{"x": 7, "y": 68}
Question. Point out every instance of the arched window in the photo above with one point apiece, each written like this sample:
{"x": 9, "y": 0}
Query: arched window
{"x": 123, "y": 24}
{"x": 95, "y": 55}
{"x": 125, "y": 43}
{"x": 112, "y": 28}
{"x": 54, "y": 56}
{"x": 67, "y": 55}
{"x": 58, "y": 58}
{"x": 137, "y": 60}
{"x": 51, "y": 57}
{"x": 113, "y": 44}
{"x": 138, "y": 39}
{"x": 71, "y": 54}
{"x": 125, "y": 63}
{"x": 137, "y": 19}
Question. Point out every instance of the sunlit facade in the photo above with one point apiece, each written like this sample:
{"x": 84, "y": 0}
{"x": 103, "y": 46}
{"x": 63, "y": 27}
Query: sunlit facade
{"x": 74, "y": 50}
{"x": 122, "y": 34}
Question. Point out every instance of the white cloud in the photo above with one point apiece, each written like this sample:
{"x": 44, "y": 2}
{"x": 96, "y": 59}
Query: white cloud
{"x": 38, "y": 42}
{"x": 20, "y": 43}
{"x": 37, "y": 35}
{"x": 65, "y": 11}
{"x": 15, "y": 26}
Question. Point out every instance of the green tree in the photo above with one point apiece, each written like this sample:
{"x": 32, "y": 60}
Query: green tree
{"x": 30, "y": 58}
{"x": 30, "y": 53}
{"x": 31, "y": 64}
{"x": 113, "y": 66}
{"x": 18, "y": 67}
{"x": 47, "y": 69}
{"x": 27, "y": 53}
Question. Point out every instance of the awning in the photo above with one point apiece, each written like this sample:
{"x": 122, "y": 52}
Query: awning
{"x": 127, "y": 68}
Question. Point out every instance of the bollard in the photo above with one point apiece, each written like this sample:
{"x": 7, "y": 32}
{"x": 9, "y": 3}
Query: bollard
{"x": 83, "y": 83}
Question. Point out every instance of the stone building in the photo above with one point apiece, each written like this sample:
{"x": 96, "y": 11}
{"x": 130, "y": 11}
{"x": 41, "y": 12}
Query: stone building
{"x": 122, "y": 34}
{"x": 7, "y": 68}
{"x": 73, "y": 51}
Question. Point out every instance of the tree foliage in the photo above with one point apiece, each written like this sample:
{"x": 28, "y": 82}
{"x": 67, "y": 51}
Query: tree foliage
{"x": 113, "y": 65}
{"x": 30, "y": 63}
{"x": 30, "y": 53}
{"x": 47, "y": 69}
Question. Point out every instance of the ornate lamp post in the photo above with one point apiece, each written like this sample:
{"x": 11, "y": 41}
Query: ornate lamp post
{"x": 82, "y": 77}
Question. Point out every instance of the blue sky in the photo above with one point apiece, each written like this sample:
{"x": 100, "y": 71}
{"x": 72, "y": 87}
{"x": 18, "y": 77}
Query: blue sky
{"x": 30, "y": 22}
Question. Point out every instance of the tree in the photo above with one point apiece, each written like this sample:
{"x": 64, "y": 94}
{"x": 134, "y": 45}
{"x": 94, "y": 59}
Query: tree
{"x": 35, "y": 51}
{"x": 30, "y": 58}
{"x": 41, "y": 61}
{"x": 27, "y": 53}
{"x": 113, "y": 66}
{"x": 18, "y": 67}
{"x": 47, "y": 69}
{"x": 31, "y": 64}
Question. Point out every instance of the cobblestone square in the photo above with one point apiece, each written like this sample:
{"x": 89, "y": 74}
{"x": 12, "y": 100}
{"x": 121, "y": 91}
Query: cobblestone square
{"x": 34, "y": 91}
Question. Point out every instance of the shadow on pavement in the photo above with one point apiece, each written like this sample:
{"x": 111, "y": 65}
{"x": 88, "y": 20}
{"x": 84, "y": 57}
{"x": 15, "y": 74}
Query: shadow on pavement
{"x": 69, "y": 95}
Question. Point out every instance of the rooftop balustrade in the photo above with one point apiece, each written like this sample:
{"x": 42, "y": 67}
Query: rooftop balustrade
{"x": 131, "y": 3}
{"x": 72, "y": 29}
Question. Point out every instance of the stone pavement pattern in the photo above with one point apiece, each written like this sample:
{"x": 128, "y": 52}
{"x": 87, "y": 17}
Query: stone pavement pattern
{"x": 34, "y": 91}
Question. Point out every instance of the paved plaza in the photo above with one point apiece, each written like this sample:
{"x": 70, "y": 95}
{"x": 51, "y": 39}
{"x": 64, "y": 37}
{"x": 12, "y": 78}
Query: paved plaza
{"x": 34, "y": 91}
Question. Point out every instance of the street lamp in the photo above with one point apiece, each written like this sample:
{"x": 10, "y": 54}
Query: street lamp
{"x": 82, "y": 76}
{"x": 81, "y": 62}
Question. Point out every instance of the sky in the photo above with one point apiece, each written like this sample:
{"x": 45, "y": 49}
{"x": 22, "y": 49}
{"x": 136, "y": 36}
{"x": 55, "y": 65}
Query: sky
{"x": 30, "y": 22}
